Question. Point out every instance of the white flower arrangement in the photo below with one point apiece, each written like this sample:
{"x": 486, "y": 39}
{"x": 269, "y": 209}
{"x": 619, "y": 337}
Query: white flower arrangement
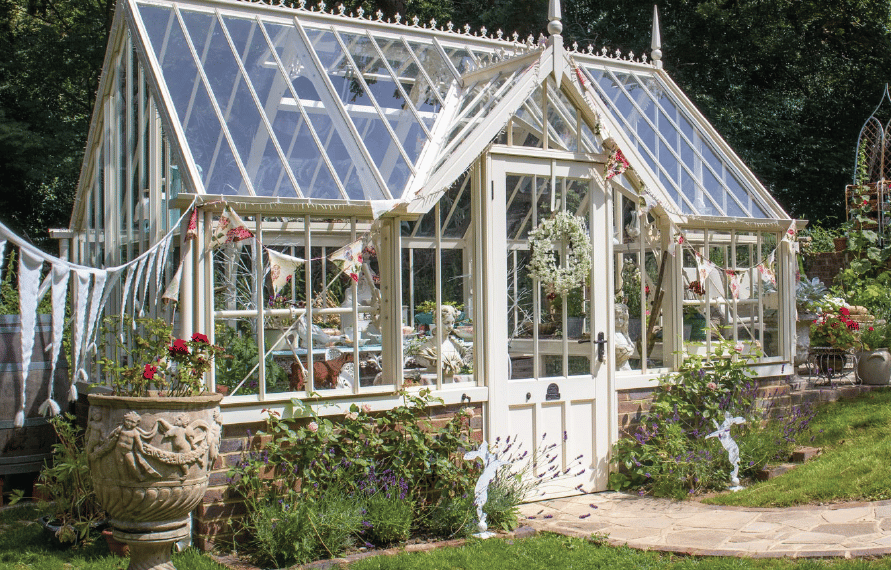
{"x": 544, "y": 266}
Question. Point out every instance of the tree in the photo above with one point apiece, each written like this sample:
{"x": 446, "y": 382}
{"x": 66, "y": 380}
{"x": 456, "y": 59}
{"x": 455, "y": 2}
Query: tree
{"x": 53, "y": 52}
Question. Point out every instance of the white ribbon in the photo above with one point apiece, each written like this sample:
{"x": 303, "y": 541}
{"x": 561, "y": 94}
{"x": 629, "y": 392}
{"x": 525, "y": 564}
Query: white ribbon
{"x": 59, "y": 276}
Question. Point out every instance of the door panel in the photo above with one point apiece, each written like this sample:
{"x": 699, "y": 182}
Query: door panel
{"x": 553, "y": 399}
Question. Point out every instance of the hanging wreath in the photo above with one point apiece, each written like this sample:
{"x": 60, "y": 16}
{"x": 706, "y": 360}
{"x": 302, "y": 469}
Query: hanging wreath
{"x": 544, "y": 266}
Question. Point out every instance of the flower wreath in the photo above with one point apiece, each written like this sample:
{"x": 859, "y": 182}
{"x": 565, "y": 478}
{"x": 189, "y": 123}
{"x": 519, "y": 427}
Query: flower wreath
{"x": 563, "y": 227}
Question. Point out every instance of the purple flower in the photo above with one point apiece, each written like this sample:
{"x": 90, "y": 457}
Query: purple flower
{"x": 548, "y": 516}
{"x": 584, "y": 516}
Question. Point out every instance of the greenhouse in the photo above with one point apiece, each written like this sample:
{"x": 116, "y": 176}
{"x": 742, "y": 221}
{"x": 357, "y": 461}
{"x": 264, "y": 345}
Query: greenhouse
{"x": 354, "y": 206}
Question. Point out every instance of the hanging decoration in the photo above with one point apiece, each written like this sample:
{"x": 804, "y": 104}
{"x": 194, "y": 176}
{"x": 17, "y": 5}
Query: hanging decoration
{"x": 29, "y": 280}
{"x": 281, "y": 268}
{"x": 562, "y": 228}
{"x": 616, "y": 164}
{"x": 351, "y": 256}
{"x": 229, "y": 228}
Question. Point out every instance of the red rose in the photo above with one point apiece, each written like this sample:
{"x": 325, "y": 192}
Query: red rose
{"x": 149, "y": 372}
{"x": 198, "y": 337}
{"x": 870, "y": 329}
{"x": 844, "y": 311}
{"x": 179, "y": 346}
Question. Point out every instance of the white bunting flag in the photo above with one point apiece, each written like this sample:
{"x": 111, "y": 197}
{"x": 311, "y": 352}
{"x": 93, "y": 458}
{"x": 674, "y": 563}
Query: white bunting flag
{"x": 29, "y": 282}
{"x": 282, "y": 268}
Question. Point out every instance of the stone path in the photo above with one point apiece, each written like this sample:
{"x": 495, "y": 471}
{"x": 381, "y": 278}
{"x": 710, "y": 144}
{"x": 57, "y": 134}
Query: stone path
{"x": 846, "y": 530}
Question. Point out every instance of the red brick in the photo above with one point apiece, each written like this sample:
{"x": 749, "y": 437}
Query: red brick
{"x": 220, "y": 510}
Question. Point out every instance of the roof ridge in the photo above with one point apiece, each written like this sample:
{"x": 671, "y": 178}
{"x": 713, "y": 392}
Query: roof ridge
{"x": 529, "y": 44}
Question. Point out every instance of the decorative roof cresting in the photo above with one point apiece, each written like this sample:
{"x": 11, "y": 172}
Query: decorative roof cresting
{"x": 656, "y": 45}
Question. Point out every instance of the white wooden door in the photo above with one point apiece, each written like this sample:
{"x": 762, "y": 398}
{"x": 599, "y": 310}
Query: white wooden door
{"x": 550, "y": 388}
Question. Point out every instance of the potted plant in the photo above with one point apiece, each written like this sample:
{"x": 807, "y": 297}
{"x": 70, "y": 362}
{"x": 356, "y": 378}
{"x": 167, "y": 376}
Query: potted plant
{"x": 65, "y": 489}
{"x": 151, "y": 441}
{"x": 807, "y": 295}
{"x": 874, "y": 361}
{"x": 833, "y": 335}
{"x": 277, "y": 326}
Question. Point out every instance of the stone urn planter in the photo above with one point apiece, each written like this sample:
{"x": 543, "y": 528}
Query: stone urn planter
{"x": 149, "y": 459}
{"x": 874, "y": 367}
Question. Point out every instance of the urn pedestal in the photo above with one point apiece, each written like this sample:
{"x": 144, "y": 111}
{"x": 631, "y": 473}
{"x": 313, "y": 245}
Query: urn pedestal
{"x": 149, "y": 459}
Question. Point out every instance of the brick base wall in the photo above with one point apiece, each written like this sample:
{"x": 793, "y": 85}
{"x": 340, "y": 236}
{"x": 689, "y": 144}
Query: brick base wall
{"x": 218, "y": 516}
{"x": 825, "y": 265}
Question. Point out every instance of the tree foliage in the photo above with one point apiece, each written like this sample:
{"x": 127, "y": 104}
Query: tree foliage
{"x": 52, "y": 56}
{"x": 788, "y": 83}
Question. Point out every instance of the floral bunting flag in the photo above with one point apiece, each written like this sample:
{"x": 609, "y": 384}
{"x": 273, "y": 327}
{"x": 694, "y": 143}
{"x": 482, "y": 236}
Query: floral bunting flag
{"x": 192, "y": 231}
{"x": 704, "y": 268}
{"x": 733, "y": 277}
{"x": 229, "y": 228}
{"x": 281, "y": 268}
{"x": 766, "y": 273}
{"x": 676, "y": 242}
{"x": 351, "y": 255}
{"x": 617, "y": 164}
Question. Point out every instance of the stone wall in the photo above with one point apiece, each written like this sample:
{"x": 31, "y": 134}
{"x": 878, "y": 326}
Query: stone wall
{"x": 217, "y": 517}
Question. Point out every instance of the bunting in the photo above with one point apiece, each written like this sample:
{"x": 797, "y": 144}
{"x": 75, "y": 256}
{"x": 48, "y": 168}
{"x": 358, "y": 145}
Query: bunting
{"x": 229, "y": 228}
{"x": 351, "y": 256}
{"x": 29, "y": 281}
{"x": 281, "y": 268}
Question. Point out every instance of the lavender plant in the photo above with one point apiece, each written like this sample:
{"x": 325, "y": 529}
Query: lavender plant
{"x": 668, "y": 454}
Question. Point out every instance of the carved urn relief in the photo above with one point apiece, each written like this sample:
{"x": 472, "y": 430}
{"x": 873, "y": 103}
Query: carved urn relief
{"x": 149, "y": 459}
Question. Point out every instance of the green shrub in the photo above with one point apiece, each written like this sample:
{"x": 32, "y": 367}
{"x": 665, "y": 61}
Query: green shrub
{"x": 452, "y": 517}
{"x": 284, "y": 533}
{"x": 388, "y": 519}
{"x": 669, "y": 454}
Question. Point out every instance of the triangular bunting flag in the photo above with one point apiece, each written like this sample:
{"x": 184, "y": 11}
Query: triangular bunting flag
{"x": 351, "y": 256}
{"x": 229, "y": 228}
{"x": 29, "y": 281}
{"x": 281, "y": 268}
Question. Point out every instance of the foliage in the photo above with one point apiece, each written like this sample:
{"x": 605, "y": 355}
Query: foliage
{"x": 835, "y": 329}
{"x": 283, "y": 533}
{"x": 393, "y": 464}
{"x": 452, "y": 517}
{"x": 430, "y": 307}
{"x": 65, "y": 485}
{"x": 153, "y": 359}
{"x": 388, "y": 518}
{"x": 669, "y": 455}
{"x": 809, "y": 293}
{"x": 821, "y": 239}
{"x": 876, "y": 337}
{"x": 241, "y": 358}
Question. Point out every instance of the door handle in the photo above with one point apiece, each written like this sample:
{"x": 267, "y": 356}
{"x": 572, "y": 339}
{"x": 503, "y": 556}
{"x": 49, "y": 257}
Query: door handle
{"x": 601, "y": 347}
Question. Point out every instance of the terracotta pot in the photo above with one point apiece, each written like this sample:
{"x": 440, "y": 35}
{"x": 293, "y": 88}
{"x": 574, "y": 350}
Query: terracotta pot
{"x": 149, "y": 459}
{"x": 874, "y": 367}
{"x": 115, "y": 546}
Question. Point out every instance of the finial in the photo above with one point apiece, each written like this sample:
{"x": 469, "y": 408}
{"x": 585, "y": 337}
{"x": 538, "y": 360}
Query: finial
{"x": 554, "y": 17}
{"x": 656, "y": 45}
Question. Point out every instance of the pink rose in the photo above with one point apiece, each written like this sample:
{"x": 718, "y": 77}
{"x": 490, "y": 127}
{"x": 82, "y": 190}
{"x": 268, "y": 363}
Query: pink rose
{"x": 351, "y": 416}
{"x": 313, "y": 427}
{"x": 712, "y": 386}
{"x": 366, "y": 408}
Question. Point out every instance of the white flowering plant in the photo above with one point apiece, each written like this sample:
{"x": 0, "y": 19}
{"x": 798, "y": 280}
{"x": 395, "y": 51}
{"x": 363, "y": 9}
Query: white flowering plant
{"x": 546, "y": 238}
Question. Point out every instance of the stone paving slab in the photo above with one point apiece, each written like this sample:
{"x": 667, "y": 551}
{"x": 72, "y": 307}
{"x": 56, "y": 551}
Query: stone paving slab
{"x": 648, "y": 523}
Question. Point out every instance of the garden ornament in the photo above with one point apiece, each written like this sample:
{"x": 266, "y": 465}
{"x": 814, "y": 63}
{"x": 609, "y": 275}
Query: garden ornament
{"x": 491, "y": 464}
{"x": 722, "y": 432}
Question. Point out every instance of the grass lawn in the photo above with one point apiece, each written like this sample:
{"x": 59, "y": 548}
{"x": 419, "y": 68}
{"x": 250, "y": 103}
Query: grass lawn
{"x": 555, "y": 552}
{"x": 855, "y": 464}
{"x": 23, "y": 546}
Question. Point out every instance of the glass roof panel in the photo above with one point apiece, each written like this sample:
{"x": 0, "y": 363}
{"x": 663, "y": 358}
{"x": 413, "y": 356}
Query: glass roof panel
{"x": 528, "y": 121}
{"x": 314, "y": 114}
{"x": 647, "y": 112}
{"x": 420, "y": 93}
{"x": 434, "y": 66}
{"x": 562, "y": 119}
{"x": 214, "y": 159}
{"x": 385, "y": 152}
{"x": 252, "y": 139}
{"x": 289, "y": 126}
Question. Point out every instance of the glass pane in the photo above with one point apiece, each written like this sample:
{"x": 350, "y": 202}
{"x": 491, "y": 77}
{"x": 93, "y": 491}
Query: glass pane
{"x": 528, "y": 123}
{"x": 213, "y": 157}
{"x": 435, "y": 67}
{"x": 293, "y": 134}
{"x": 251, "y": 138}
{"x": 455, "y": 208}
{"x": 296, "y": 62}
{"x": 562, "y": 120}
